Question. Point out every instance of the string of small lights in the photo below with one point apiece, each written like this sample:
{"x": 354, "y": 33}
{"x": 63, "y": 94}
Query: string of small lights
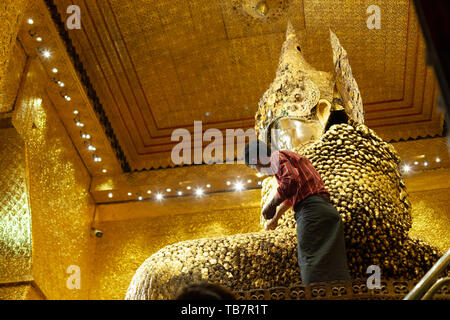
{"x": 198, "y": 192}
{"x": 46, "y": 53}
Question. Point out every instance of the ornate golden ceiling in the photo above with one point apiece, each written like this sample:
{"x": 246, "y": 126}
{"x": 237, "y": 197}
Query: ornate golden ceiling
{"x": 159, "y": 65}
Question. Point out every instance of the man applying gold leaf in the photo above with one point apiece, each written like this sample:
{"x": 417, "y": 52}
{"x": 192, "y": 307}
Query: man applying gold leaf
{"x": 320, "y": 235}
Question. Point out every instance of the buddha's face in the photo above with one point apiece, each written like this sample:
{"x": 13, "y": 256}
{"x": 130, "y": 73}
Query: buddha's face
{"x": 291, "y": 133}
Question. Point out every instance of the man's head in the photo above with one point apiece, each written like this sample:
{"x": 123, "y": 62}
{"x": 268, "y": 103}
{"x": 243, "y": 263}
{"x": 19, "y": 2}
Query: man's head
{"x": 257, "y": 156}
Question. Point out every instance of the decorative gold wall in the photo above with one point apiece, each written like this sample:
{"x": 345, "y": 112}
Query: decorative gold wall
{"x": 20, "y": 291}
{"x": 11, "y": 12}
{"x": 431, "y": 217}
{"x": 61, "y": 206}
{"x": 15, "y": 219}
{"x": 430, "y": 198}
{"x": 126, "y": 244}
{"x": 11, "y": 83}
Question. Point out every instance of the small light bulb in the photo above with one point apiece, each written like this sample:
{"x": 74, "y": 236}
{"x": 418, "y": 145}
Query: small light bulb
{"x": 140, "y": 198}
{"x": 92, "y": 148}
{"x": 67, "y": 97}
{"x": 110, "y": 195}
{"x": 38, "y": 39}
{"x": 149, "y": 191}
{"x": 188, "y": 187}
{"x": 88, "y": 136}
{"x": 61, "y": 84}
{"x": 129, "y": 193}
{"x": 238, "y": 186}
{"x": 259, "y": 183}
{"x": 208, "y": 185}
{"x": 46, "y": 53}
{"x": 75, "y": 111}
{"x": 104, "y": 171}
{"x": 416, "y": 163}
{"x": 406, "y": 168}
{"x": 54, "y": 70}
{"x": 438, "y": 159}
{"x": 425, "y": 164}
{"x": 228, "y": 183}
{"x": 199, "y": 192}
{"x": 168, "y": 190}
{"x": 259, "y": 175}
{"x": 179, "y": 193}
{"x": 249, "y": 181}
{"x": 159, "y": 196}
{"x": 30, "y": 21}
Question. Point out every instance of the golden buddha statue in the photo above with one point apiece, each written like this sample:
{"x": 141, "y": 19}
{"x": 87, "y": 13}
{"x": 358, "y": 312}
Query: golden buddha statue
{"x": 358, "y": 168}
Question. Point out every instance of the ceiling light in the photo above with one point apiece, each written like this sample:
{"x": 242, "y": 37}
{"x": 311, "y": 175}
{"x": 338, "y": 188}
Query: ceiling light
{"x": 168, "y": 190}
{"x": 199, "y": 192}
{"x": 416, "y": 163}
{"x": 208, "y": 185}
{"x": 110, "y": 195}
{"x": 259, "y": 183}
{"x": 75, "y": 111}
{"x": 159, "y": 196}
{"x": 79, "y": 124}
{"x": 208, "y": 114}
{"x": 180, "y": 193}
{"x": 38, "y": 39}
{"x": 188, "y": 187}
{"x": 149, "y": 191}
{"x": 54, "y": 70}
{"x": 425, "y": 164}
{"x": 140, "y": 198}
{"x": 61, "y": 84}
{"x": 129, "y": 193}
{"x": 438, "y": 159}
{"x": 30, "y": 21}
{"x": 92, "y": 148}
{"x": 228, "y": 183}
{"x": 104, "y": 171}
{"x": 259, "y": 175}
{"x": 46, "y": 53}
{"x": 97, "y": 159}
{"x": 249, "y": 181}
{"x": 67, "y": 97}
{"x": 238, "y": 186}
{"x": 406, "y": 168}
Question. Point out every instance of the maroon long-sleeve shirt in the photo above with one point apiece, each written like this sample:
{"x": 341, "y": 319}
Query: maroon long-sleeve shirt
{"x": 297, "y": 179}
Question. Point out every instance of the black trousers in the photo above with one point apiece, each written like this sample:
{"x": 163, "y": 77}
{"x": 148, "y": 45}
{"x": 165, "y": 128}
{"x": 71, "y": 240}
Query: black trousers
{"x": 320, "y": 241}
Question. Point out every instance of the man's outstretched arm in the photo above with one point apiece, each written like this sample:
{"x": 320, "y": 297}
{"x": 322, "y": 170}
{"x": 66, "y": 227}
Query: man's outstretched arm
{"x": 270, "y": 209}
{"x": 273, "y": 223}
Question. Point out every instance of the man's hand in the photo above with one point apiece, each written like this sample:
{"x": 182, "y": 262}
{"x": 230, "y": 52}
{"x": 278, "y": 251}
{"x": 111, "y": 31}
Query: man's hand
{"x": 272, "y": 224}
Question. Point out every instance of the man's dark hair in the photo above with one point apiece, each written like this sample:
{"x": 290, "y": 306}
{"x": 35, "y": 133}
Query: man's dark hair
{"x": 205, "y": 291}
{"x": 254, "y": 150}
